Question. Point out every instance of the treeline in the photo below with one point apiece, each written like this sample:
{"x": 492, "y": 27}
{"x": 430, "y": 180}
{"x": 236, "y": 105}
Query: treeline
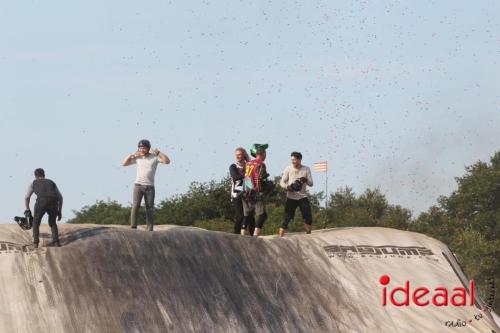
{"x": 467, "y": 220}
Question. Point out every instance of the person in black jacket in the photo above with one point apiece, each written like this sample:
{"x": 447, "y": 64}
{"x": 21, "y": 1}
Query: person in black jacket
{"x": 48, "y": 200}
{"x": 237, "y": 172}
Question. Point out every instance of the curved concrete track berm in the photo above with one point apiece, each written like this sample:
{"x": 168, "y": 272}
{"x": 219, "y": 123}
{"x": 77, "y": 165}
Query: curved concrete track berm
{"x": 182, "y": 279}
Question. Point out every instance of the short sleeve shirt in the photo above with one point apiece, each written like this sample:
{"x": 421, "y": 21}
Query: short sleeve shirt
{"x": 146, "y": 169}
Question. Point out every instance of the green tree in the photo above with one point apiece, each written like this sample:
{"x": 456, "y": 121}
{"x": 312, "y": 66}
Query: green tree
{"x": 468, "y": 222}
{"x": 370, "y": 209}
{"x": 202, "y": 202}
{"x": 103, "y": 212}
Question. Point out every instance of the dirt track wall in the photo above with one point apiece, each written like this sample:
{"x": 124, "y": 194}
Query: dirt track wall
{"x": 177, "y": 279}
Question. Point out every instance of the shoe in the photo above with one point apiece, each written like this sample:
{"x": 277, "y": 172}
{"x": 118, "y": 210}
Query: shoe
{"x": 35, "y": 245}
{"x": 133, "y": 227}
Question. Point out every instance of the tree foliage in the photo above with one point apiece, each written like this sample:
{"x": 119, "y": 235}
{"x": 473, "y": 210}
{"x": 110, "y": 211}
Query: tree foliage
{"x": 468, "y": 221}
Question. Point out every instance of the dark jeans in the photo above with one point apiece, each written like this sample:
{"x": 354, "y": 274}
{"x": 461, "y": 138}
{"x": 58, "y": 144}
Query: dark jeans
{"x": 238, "y": 217}
{"x": 42, "y": 206}
{"x": 148, "y": 192}
{"x": 290, "y": 207}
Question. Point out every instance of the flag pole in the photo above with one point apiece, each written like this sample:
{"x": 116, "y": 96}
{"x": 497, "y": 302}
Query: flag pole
{"x": 326, "y": 189}
{"x": 326, "y": 197}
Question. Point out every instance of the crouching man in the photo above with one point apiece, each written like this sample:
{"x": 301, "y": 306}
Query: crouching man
{"x": 48, "y": 200}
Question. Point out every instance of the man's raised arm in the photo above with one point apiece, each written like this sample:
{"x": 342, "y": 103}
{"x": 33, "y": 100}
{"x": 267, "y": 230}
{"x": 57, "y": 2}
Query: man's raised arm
{"x": 163, "y": 158}
{"x": 129, "y": 159}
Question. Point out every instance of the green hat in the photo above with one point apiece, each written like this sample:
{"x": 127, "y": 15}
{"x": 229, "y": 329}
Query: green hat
{"x": 257, "y": 146}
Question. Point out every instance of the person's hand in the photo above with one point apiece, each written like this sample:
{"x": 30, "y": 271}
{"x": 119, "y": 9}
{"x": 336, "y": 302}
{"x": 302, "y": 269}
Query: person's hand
{"x": 155, "y": 151}
{"x": 59, "y": 215}
{"x": 27, "y": 213}
{"x": 303, "y": 180}
{"x": 135, "y": 154}
{"x": 289, "y": 188}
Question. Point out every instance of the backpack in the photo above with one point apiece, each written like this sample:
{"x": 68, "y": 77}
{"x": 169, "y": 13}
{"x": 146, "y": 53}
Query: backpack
{"x": 251, "y": 180}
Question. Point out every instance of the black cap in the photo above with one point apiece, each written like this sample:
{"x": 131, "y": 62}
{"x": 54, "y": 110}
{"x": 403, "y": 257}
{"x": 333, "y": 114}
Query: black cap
{"x": 144, "y": 143}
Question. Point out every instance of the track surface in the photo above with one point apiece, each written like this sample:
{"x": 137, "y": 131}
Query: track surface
{"x": 180, "y": 279}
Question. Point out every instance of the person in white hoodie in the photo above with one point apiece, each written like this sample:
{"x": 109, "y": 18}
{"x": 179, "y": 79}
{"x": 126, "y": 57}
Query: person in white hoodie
{"x": 296, "y": 177}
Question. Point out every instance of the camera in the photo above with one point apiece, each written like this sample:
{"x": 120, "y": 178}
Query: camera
{"x": 26, "y": 222}
{"x": 297, "y": 184}
{"x": 267, "y": 186}
{"x": 23, "y": 222}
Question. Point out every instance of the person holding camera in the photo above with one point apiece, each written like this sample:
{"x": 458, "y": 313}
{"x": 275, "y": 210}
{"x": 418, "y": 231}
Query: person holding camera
{"x": 147, "y": 163}
{"x": 48, "y": 200}
{"x": 296, "y": 177}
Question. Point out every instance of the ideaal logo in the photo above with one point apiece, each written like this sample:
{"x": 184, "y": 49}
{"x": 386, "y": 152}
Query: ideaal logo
{"x": 8, "y": 247}
{"x": 382, "y": 251}
{"x": 423, "y": 296}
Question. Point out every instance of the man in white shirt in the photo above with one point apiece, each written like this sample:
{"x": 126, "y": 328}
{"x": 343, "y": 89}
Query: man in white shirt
{"x": 145, "y": 180}
{"x": 295, "y": 178}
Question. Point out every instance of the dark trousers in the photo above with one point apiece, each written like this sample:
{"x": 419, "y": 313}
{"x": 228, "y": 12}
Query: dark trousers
{"x": 238, "y": 217}
{"x": 50, "y": 207}
{"x": 260, "y": 220}
{"x": 148, "y": 192}
{"x": 290, "y": 207}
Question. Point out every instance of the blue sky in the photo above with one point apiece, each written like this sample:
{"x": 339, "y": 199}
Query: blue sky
{"x": 396, "y": 94}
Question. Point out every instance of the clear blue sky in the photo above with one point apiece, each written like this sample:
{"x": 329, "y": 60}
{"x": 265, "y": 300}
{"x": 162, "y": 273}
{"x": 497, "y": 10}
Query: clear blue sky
{"x": 396, "y": 94}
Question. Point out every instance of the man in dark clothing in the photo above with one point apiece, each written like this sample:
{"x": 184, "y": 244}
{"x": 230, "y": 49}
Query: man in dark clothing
{"x": 237, "y": 173}
{"x": 48, "y": 200}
